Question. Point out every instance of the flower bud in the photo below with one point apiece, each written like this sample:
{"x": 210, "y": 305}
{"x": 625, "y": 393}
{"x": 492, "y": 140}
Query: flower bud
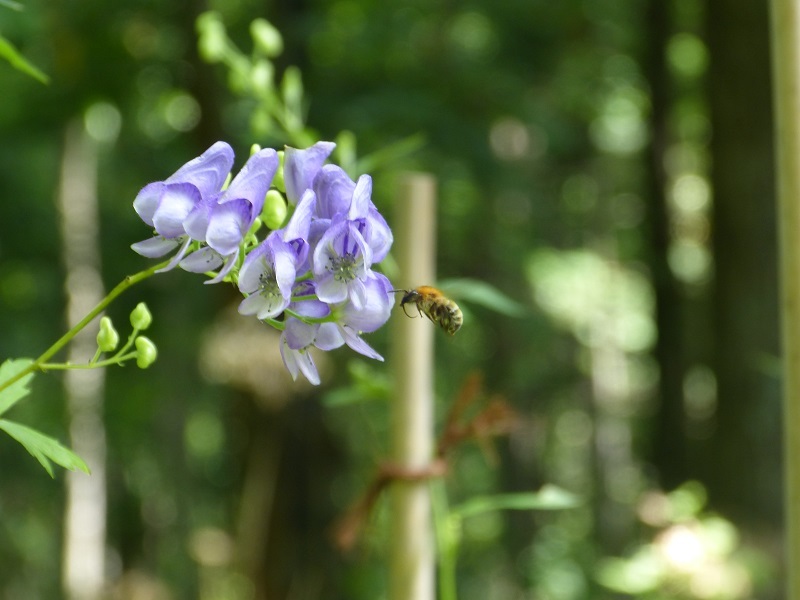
{"x": 146, "y": 352}
{"x": 213, "y": 39}
{"x": 274, "y": 212}
{"x": 292, "y": 88}
{"x": 261, "y": 76}
{"x": 266, "y": 38}
{"x": 278, "y": 180}
{"x": 141, "y": 317}
{"x": 107, "y": 337}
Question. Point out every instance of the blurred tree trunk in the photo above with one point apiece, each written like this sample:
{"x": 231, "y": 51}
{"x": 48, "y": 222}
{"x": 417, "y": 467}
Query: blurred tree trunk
{"x": 741, "y": 461}
{"x": 669, "y": 441}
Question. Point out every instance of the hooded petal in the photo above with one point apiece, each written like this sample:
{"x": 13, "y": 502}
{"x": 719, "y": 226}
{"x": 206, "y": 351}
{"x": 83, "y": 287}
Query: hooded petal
{"x": 177, "y": 201}
{"x": 146, "y": 201}
{"x": 334, "y": 190}
{"x": 196, "y": 223}
{"x": 208, "y": 171}
{"x": 253, "y": 181}
{"x": 300, "y": 167}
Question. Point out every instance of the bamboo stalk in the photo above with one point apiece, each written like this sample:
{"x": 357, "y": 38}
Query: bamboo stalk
{"x": 412, "y": 555}
{"x": 83, "y": 569}
{"x": 786, "y": 86}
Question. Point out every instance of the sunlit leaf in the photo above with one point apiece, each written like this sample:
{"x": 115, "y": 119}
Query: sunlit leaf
{"x": 483, "y": 294}
{"x": 550, "y": 497}
{"x": 16, "y": 60}
{"x": 17, "y": 390}
{"x": 11, "y": 4}
{"x": 44, "y": 448}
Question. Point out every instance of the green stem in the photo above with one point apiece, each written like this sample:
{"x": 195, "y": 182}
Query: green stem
{"x": 117, "y": 360}
{"x": 446, "y": 541}
{"x": 64, "y": 339}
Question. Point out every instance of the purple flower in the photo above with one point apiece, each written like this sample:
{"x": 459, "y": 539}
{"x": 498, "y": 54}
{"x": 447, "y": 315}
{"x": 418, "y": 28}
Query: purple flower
{"x": 377, "y": 307}
{"x": 164, "y": 205}
{"x": 270, "y": 270}
{"x": 300, "y": 167}
{"x": 299, "y": 336}
{"x": 338, "y": 195}
{"x": 223, "y": 223}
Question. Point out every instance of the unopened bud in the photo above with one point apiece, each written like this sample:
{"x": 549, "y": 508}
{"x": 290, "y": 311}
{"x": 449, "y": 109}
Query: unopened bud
{"x": 261, "y": 76}
{"x": 107, "y": 337}
{"x": 141, "y": 317}
{"x": 278, "y": 180}
{"x": 266, "y": 38}
{"x": 146, "y": 352}
{"x": 213, "y": 39}
{"x": 274, "y": 212}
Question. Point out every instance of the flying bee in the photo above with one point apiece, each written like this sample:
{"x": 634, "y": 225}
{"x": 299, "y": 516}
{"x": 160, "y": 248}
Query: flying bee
{"x": 435, "y": 305}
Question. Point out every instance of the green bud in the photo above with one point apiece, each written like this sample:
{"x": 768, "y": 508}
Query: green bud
{"x": 292, "y": 89}
{"x": 213, "y": 39}
{"x": 261, "y": 76}
{"x": 261, "y": 122}
{"x": 277, "y": 181}
{"x": 346, "y": 149}
{"x": 274, "y": 212}
{"x": 141, "y": 317}
{"x": 255, "y": 149}
{"x": 107, "y": 337}
{"x": 146, "y": 352}
{"x": 266, "y": 38}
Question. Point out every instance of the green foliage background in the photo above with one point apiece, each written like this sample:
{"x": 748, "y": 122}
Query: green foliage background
{"x": 572, "y": 146}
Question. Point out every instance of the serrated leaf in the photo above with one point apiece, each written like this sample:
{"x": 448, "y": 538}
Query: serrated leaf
{"x": 481, "y": 293}
{"x": 44, "y": 448}
{"x": 19, "y": 62}
{"x": 550, "y": 497}
{"x": 17, "y": 390}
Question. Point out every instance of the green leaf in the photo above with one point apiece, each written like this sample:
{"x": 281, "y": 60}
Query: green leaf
{"x": 17, "y": 390}
{"x": 19, "y": 62}
{"x": 44, "y": 448}
{"x": 550, "y": 497}
{"x": 483, "y": 294}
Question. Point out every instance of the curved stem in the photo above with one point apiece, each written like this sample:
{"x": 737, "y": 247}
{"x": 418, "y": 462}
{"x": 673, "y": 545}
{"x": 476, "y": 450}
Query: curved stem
{"x": 101, "y": 306}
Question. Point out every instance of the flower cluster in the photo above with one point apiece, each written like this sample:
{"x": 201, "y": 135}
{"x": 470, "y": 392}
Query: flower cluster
{"x": 313, "y": 279}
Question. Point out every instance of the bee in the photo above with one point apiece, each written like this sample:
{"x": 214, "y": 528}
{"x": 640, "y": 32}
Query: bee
{"x": 435, "y": 305}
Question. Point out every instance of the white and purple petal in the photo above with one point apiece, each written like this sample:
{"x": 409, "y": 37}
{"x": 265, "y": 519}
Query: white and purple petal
{"x": 202, "y": 260}
{"x": 177, "y": 201}
{"x": 376, "y": 307}
{"x": 155, "y": 247}
{"x": 228, "y": 224}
